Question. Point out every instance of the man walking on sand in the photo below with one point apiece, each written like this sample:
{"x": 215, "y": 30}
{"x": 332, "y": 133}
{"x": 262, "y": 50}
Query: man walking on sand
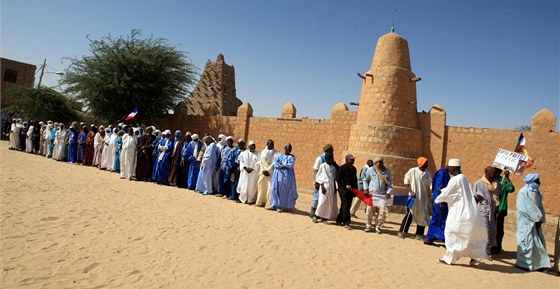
{"x": 465, "y": 235}
{"x": 418, "y": 180}
{"x": 379, "y": 183}
{"x": 347, "y": 180}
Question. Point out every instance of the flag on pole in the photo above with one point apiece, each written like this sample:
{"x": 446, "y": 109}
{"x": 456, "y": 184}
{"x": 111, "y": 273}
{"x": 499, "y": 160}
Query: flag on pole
{"x": 520, "y": 149}
{"x": 132, "y": 114}
{"x": 520, "y": 146}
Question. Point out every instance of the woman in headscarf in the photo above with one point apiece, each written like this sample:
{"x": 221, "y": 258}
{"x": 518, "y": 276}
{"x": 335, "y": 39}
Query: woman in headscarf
{"x": 531, "y": 245}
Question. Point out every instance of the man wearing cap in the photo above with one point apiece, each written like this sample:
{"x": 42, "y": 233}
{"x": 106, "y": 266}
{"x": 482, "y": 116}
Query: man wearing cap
{"x": 208, "y": 165}
{"x": 249, "y": 167}
{"x": 378, "y": 182}
{"x": 486, "y": 190}
{"x": 347, "y": 180}
{"x": 328, "y": 151}
{"x": 356, "y": 203}
{"x": 465, "y": 235}
{"x": 191, "y": 155}
{"x": 436, "y": 227}
{"x": 266, "y": 167}
{"x": 418, "y": 180}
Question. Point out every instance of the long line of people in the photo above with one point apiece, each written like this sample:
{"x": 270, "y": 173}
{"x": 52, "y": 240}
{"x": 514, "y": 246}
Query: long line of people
{"x": 469, "y": 219}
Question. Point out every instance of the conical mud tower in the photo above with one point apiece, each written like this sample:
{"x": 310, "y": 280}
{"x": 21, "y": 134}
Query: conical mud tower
{"x": 386, "y": 124}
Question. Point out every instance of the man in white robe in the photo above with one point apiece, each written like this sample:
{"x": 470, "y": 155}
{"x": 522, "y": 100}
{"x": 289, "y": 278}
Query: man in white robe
{"x": 208, "y": 165}
{"x": 47, "y": 137}
{"x": 128, "y": 155}
{"x": 13, "y": 135}
{"x": 419, "y": 181}
{"x": 249, "y": 167}
{"x": 465, "y": 234}
{"x": 29, "y": 139}
{"x": 17, "y": 131}
{"x": 105, "y": 155}
{"x": 327, "y": 207}
{"x": 60, "y": 143}
{"x": 266, "y": 167}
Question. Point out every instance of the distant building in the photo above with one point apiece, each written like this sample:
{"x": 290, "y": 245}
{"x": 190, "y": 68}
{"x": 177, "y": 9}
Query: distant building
{"x": 215, "y": 92}
{"x": 16, "y": 73}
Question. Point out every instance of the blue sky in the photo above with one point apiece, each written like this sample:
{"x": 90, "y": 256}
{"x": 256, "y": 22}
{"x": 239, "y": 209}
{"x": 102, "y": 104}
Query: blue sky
{"x": 488, "y": 63}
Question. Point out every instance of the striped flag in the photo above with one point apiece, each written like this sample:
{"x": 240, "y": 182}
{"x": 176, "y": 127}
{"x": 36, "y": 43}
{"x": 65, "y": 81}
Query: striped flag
{"x": 520, "y": 148}
{"x": 132, "y": 114}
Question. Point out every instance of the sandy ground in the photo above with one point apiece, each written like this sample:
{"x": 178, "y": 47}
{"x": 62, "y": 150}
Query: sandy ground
{"x": 68, "y": 226}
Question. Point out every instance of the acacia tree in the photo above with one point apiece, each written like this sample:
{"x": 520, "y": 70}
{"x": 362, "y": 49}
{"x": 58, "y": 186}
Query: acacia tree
{"x": 129, "y": 72}
{"x": 41, "y": 104}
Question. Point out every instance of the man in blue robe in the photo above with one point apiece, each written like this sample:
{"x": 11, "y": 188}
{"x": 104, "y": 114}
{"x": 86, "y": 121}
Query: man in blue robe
{"x": 233, "y": 170}
{"x": 191, "y": 155}
{"x": 436, "y": 227}
{"x": 163, "y": 161}
{"x": 208, "y": 165}
{"x": 183, "y": 167}
{"x": 283, "y": 189}
{"x": 51, "y": 139}
{"x": 73, "y": 145}
{"x": 531, "y": 244}
{"x": 23, "y": 136}
{"x": 155, "y": 146}
{"x": 224, "y": 184}
{"x": 118, "y": 153}
{"x": 82, "y": 144}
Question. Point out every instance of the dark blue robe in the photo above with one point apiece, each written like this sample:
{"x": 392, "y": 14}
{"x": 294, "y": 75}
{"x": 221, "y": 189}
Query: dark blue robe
{"x": 183, "y": 167}
{"x": 73, "y": 145}
{"x": 224, "y": 184}
{"x": 81, "y": 146}
{"x": 155, "y": 145}
{"x": 163, "y": 161}
{"x": 194, "y": 166}
{"x": 232, "y": 171}
{"x": 436, "y": 227}
{"x": 22, "y": 137}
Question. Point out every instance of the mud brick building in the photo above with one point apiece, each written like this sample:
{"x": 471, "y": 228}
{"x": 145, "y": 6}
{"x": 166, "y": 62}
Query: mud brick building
{"x": 387, "y": 123}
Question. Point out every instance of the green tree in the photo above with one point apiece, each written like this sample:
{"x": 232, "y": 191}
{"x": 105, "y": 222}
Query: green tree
{"x": 41, "y": 104}
{"x": 129, "y": 72}
{"x": 525, "y": 127}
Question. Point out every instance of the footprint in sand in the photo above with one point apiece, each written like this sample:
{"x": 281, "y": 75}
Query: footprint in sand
{"x": 50, "y": 219}
{"x": 90, "y": 267}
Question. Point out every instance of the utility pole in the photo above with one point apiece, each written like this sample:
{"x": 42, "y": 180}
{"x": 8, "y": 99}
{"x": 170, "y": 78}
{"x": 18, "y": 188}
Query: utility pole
{"x": 42, "y": 72}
